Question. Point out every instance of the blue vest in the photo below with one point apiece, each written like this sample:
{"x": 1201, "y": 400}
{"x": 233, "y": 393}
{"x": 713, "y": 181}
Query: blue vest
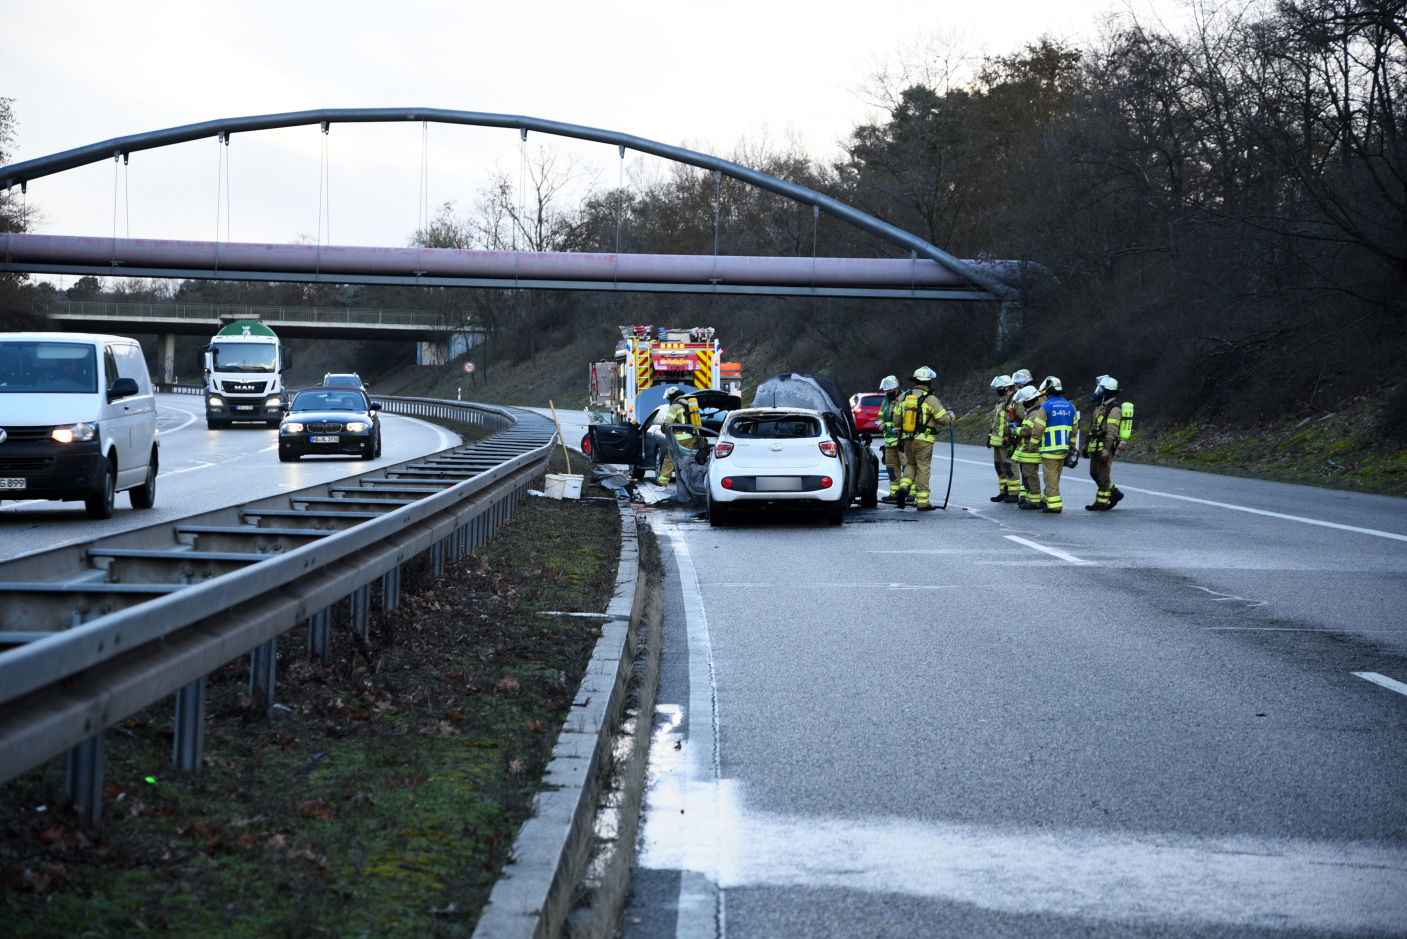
{"x": 1059, "y": 427}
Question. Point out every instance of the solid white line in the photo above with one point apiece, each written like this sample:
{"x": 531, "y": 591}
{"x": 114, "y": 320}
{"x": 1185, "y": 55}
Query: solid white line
{"x": 190, "y": 419}
{"x": 447, "y": 439}
{"x": 1389, "y": 683}
{"x": 700, "y": 901}
{"x": 1054, "y": 552}
{"x": 1227, "y": 505}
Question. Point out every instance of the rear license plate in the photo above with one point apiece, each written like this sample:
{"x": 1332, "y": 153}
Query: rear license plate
{"x": 779, "y": 484}
{"x": 12, "y": 483}
{"x": 324, "y": 439}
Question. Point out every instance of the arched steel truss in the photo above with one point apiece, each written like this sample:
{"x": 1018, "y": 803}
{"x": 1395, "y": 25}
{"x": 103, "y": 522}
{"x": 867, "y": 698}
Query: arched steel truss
{"x": 19, "y": 174}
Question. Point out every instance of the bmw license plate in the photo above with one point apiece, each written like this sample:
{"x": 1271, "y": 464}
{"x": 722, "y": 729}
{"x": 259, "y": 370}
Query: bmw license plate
{"x": 12, "y": 483}
{"x": 324, "y": 439}
{"x": 779, "y": 484}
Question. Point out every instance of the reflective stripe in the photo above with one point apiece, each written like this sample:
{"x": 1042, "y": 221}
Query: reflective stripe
{"x": 1056, "y": 440}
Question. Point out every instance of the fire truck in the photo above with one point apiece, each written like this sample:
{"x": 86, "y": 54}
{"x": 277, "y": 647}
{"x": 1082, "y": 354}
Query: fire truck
{"x": 645, "y": 359}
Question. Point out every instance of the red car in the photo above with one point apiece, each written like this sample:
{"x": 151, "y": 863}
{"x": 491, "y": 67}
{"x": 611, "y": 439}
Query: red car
{"x": 866, "y": 407}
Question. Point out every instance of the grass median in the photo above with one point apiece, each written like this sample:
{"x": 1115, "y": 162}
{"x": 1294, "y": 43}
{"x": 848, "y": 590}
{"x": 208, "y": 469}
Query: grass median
{"x": 380, "y": 800}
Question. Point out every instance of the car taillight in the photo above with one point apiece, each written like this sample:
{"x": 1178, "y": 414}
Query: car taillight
{"x": 828, "y": 447}
{"x": 826, "y": 481}
{"x": 722, "y": 448}
{"x": 727, "y": 482}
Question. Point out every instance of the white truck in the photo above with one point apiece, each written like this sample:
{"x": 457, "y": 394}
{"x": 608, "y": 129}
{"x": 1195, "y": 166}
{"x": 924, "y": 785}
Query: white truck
{"x": 244, "y": 366}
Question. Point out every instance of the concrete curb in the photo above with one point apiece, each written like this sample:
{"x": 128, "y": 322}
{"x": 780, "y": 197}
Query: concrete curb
{"x": 534, "y": 895}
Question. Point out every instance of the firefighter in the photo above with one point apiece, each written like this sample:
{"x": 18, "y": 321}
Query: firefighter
{"x": 1110, "y": 424}
{"x": 921, "y": 413}
{"x": 676, "y": 413}
{"x": 1026, "y": 453}
{"x": 1008, "y": 481}
{"x": 1020, "y": 379}
{"x": 1056, "y": 415}
{"x": 888, "y": 415}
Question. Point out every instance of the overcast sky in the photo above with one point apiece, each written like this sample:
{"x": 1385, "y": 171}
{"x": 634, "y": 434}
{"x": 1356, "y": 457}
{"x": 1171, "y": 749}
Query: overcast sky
{"x": 704, "y": 75}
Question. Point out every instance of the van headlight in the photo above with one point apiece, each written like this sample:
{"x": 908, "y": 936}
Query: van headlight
{"x": 71, "y": 432}
{"x": 357, "y": 427}
{"x": 292, "y": 427}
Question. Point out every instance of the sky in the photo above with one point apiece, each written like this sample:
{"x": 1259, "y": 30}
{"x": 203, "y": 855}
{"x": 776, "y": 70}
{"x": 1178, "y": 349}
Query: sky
{"x": 705, "y": 76}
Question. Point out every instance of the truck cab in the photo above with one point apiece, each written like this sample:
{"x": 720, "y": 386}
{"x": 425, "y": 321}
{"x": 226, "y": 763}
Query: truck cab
{"x": 244, "y": 367}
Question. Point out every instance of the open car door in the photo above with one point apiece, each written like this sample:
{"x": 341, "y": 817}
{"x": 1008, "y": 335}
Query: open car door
{"x": 614, "y": 443}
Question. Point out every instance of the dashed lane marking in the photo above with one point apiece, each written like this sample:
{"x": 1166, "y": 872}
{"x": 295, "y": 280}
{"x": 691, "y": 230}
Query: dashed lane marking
{"x": 1235, "y": 508}
{"x": 1054, "y": 552}
{"x": 1391, "y": 684}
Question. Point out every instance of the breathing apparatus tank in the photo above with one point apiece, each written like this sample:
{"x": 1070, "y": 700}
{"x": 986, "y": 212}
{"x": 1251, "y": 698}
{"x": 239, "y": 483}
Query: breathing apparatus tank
{"x": 1126, "y": 420}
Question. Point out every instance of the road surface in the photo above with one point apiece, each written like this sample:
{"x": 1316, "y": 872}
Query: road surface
{"x": 205, "y": 469}
{"x": 1186, "y": 716}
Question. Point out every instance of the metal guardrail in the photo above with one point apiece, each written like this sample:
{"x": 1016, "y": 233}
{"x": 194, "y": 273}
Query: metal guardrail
{"x": 217, "y": 313}
{"x": 98, "y": 631}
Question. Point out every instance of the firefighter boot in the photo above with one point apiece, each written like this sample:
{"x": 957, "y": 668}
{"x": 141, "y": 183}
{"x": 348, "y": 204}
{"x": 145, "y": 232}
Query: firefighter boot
{"x": 1115, "y": 497}
{"x": 901, "y": 496}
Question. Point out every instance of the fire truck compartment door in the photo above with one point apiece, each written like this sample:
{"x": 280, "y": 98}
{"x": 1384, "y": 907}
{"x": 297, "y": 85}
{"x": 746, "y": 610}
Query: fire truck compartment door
{"x": 614, "y": 443}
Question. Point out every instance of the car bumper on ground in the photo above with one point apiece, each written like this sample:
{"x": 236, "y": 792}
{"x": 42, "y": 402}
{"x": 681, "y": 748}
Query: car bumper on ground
{"x": 67, "y": 471}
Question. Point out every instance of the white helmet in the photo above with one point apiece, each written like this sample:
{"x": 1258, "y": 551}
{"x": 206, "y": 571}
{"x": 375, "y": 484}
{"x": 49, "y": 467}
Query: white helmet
{"x": 889, "y": 383}
{"x": 1051, "y": 383}
{"x": 1002, "y": 381}
{"x": 925, "y": 374}
{"x": 1021, "y": 377}
{"x": 1107, "y": 383}
{"x": 1026, "y": 394}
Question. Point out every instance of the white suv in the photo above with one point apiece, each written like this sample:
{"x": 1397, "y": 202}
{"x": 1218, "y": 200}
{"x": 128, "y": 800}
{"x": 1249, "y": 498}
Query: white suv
{"x": 77, "y": 420}
{"x": 776, "y": 457}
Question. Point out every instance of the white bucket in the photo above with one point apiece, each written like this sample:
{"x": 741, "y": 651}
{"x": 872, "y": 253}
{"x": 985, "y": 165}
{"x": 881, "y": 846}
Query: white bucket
{"x": 562, "y": 486}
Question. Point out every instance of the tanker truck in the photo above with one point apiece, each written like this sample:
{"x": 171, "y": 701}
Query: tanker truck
{"x": 244, "y": 365}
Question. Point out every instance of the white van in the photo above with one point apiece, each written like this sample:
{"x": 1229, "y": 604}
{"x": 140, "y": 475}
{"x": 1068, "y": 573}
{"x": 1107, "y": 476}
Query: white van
{"x": 77, "y": 420}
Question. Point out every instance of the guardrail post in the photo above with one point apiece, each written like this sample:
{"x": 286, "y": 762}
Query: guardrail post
{"x": 320, "y": 635}
{"x": 391, "y": 588}
{"x": 188, "y": 745}
{"x": 83, "y": 781}
{"x": 360, "y": 600}
{"x": 262, "y": 660}
{"x": 437, "y": 557}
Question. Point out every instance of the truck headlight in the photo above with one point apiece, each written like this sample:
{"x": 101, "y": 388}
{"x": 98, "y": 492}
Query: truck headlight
{"x": 291, "y": 427}
{"x": 71, "y": 432}
{"x": 357, "y": 427}
{"x": 215, "y": 401}
{"x": 273, "y": 402}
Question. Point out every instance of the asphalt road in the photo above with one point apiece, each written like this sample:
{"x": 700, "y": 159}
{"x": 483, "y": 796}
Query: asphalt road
{"x": 206, "y": 469}
{"x": 989, "y": 722}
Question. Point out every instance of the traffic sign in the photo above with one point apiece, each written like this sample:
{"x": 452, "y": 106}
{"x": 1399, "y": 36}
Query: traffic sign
{"x": 468, "y": 366}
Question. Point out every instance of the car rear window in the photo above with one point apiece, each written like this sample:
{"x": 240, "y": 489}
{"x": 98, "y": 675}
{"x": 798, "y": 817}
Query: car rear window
{"x": 39, "y": 367}
{"x": 872, "y": 401}
{"x": 774, "y": 427}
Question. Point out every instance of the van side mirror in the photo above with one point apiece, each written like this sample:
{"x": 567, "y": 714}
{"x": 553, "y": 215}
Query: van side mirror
{"x": 123, "y": 388}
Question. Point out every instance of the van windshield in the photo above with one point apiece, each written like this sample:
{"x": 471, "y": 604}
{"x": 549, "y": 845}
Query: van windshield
{"x": 774, "y": 427}
{"x": 245, "y": 356}
{"x": 37, "y": 367}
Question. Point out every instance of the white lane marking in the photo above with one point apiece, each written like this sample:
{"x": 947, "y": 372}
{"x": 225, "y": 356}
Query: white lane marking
{"x": 1054, "y": 552}
{"x": 692, "y": 786}
{"x": 447, "y": 439}
{"x": 184, "y": 469}
{"x": 1218, "y": 597}
{"x": 1389, "y": 683}
{"x": 190, "y": 419}
{"x": 1227, "y": 505}
{"x": 1165, "y": 878}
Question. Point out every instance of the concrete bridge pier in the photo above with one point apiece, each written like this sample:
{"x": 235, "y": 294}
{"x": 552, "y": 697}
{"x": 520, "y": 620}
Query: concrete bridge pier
{"x": 166, "y": 344}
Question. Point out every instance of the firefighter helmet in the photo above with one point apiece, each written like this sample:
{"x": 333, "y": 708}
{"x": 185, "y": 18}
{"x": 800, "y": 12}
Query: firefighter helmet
{"x": 1021, "y": 377}
{"x": 673, "y": 393}
{"x": 1051, "y": 383}
{"x": 1026, "y": 394}
{"x": 1103, "y": 387}
{"x": 1002, "y": 381}
{"x": 924, "y": 374}
{"x": 890, "y": 383}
